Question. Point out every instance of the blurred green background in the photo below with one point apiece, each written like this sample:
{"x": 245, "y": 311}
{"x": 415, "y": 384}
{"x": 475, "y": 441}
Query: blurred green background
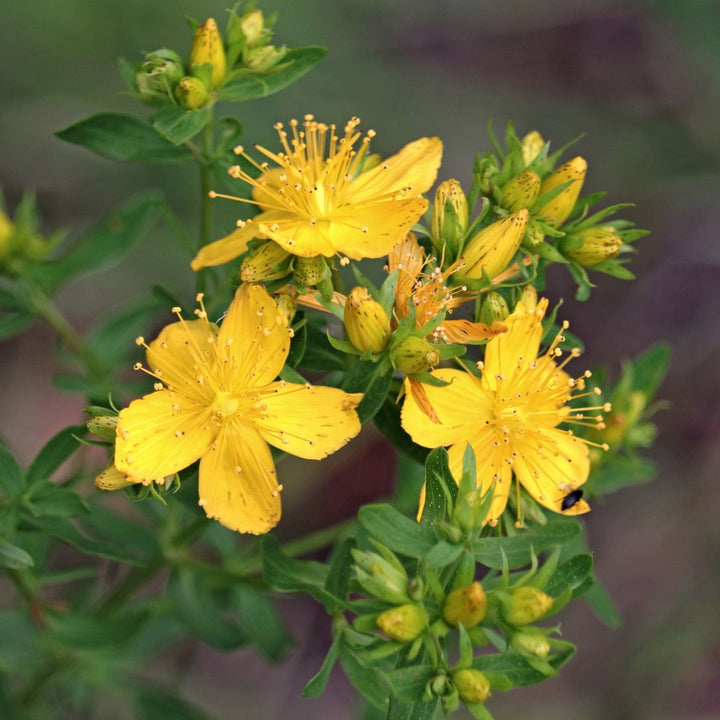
{"x": 642, "y": 79}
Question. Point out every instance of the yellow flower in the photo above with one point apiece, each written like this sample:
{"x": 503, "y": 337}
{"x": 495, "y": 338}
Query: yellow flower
{"x": 510, "y": 417}
{"x": 317, "y": 201}
{"x": 217, "y": 401}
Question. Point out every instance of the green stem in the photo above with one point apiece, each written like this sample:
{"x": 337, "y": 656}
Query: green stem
{"x": 134, "y": 581}
{"x": 206, "y": 182}
{"x": 44, "y": 677}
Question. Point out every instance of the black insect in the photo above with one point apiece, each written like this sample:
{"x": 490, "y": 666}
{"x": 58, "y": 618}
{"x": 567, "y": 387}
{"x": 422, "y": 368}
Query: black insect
{"x": 571, "y": 499}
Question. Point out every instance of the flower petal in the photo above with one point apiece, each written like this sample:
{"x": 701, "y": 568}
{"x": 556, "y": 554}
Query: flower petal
{"x": 237, "y": 483}
{"x": 298, "y": 234}
{"x": 520, "y": 344}
{"x": 255, "y": 339}
{"x": 415, "y": 167}
{"x": 549, "y": 475}
{"x": 160, "y": 434}
{"x": 226, "y": 248}
{"x": 461, "y": 407}
{"x": 307, "y": 421}
{"x": 180, "y": 352}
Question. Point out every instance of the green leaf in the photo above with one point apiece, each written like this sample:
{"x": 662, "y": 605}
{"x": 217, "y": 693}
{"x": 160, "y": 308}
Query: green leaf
{"x": 201, "y": 613}
{"x": 396, "y": 531}
{"x": 650, "y": 368}
{"x": 158, "y": 704}
{"x": 105, "y": 244}
{"x": 262, "y": 623}
{"x": 518, "y": 548}
{"x": 289, "y": 575}
{"x": 365, "y": 678}
{"x": 619, "y": 472}
{"x": 440, "y": 487}
{"x": 614, "y": 268}
{"x": 443, "y": 554}
{"x": 11, "y": 476}
{"x": 179, "y": 125}
{"x": 373, "y": 380}
{"x": 250, "y": 86}
{"x": 516, "y": 668}
{"x": 409, "y": 683}
{"x": 400, "y": 710}
{"x": 13, "y": 324}
{"x": 317, "y": 684}
{"x": 602, "y": 604}
{"x": 569, "y": 575}
{"x": 56, "y": 501}
{"x": 140, "y": 539}
{"x": 123, "y": 137}
{"x": 339, "y": 574}
{"x": 54, "y": 453}
{"x": 13, "y": 557}
{"x": 21, "y": 644}
{"x": 80, "y": 630}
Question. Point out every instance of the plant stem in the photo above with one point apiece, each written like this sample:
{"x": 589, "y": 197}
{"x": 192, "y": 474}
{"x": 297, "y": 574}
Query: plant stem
{"x": 206, "y": 181}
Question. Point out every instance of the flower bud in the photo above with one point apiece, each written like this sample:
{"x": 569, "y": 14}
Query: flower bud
{"x": 7, "y": 228}
{"x": 520, "y": 192}
{"x": 472, "y": 686}
{"x": 527, "y": 604}
{"x": 494, "y": 308}
{"x": 534, "y": 235}
{"x": 403, "y": 623}
{"x": 104, "y": 427}
{"x": 494, "y": 246}
{"x": 442, "y": 223}
{"x": 529, "y": 297}
{"x": 252, "y": 24}
{"x": 414, "y": 355}
{"x": 191, "y": 93}
{"x": 465, "y": 605}
{"x": 158, "y": 75}
{"x": 207, "y": 47}
{"x": 112, "y": 479}
{"x": 381, "y": 578}
{"x": 530, "y": 642}
{"x": 366, "y": 323}
{"x": 598, "y": 244}
{"x": 309, "y": 271}
{"x": 559, "y": 208}
{"x": 531, "y": 144}
{"x": 261, "y": 59}
{"x": 267, "y": 262}
{"x": 286, "y": 305}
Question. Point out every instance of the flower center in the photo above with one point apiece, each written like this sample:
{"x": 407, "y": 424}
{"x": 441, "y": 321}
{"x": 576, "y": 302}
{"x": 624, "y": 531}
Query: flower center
{"x": 225, "y": 404}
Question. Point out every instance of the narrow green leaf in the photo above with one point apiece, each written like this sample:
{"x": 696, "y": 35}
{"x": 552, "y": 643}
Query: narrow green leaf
{"x": 317, "y": 684}
{"x": 340, "y": 573}
{"x": 13, "y": 557}
{"x": 47, "y": 498}
{"x": 250, "y": 86}
{"x": 365, "y": 678}
{"x": 619, "y": 472}
{"x": 80, "y": 630}
{"x": 396, "y": 531}
{"x": 517, "y": 670}
{"x": 158, "y": 704}
{"x": 440, "y": 487}
{"x": 602, "y": 604}
{"x": 262, "y": 623}
{"x": 409, "y": 683}
{"x": 517, "y": 549}
{"x": 12, "y": 324}
{"x": 123, "y": 137}
{"x": 179, "y": 125}
{"x": 650, "y": 368}
{"x": 54, "y": 453}
{"x": 443, "y": 554}
{"x": 400, "y": 710}
{"x": 373, "y": 380}
{"x": 105, "y": 244}
{"x": 11, "y": 476}
{"x": 569, "y": 575}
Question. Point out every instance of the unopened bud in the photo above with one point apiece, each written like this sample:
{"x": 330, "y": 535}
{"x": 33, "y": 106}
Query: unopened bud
{"x": 112, "y": 479}
{"x": 207, "y": 47}
{"x": 104, "y": 427}
{"x": 286, "y": 305}
{"x": 520, "y": 192}
{"x": 252, "y": 23}
{"x": 559, "y": 208}
{"x": 191, "y": 93}
{"x": 380, "y": 578}
{"x": 598, "y": 244}
{"x": 7, "y": 228}
{"x": 465, "y": 605}
{"x": 527, "y": 604}
{"x": 534, "y": 235}
{"x": 158, "y": 75}
{"x": 403, "y": 623}
{"x": 366, "y": 322}
{"x": 449, "y": 221}
{"x": 267, "y": 262}
{"x": 529, "y": 297}
{"x": 493, "y": 247}
{"x": 494, "y": 308}
{"x": 309, "y": 271}
{"x": 414, "y": 355}
{"x": 532, "y": 144}
{"x": 472, "y": 685}
{"x": 261, "y": 59}
{"x": 530, "y": 642}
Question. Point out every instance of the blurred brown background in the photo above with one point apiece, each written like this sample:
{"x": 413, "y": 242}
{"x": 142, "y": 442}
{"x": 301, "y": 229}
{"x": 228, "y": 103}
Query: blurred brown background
{"x": 642, "y": 79}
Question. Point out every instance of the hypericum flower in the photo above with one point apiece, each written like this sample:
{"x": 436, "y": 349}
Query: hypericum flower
{"x": 217, "y": 401}
{"x": 318, "y": 200}
{"x": 510, "y": 418}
